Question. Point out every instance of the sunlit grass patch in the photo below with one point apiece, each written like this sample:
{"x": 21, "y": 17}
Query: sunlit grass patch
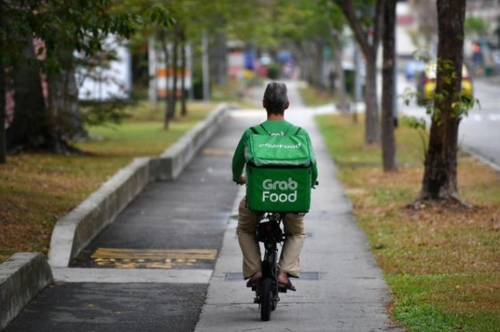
{"x": 463, "y": 302}
{"x": 314, "y": 97}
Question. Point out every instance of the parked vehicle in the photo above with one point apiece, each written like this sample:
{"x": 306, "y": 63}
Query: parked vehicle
{"x": 414, "y": 68}
{"x": 426, "y": 83}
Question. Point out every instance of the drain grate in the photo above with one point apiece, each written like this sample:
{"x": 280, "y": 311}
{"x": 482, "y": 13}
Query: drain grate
{"x": 304, "y": 276}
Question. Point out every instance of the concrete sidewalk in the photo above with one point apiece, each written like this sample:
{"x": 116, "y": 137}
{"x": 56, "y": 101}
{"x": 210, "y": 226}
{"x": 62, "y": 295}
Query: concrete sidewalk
{"x": 342, "y": 288}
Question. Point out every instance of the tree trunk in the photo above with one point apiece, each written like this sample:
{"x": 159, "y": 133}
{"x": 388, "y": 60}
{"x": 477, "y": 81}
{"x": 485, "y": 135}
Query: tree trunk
{"x": 30, "y": 127}
{"x": 440, "y": 176}
{"x": 318, "y": 65}
{"x": 63, "y": 100}
{"x": 184, "y": 71}
{"x": 337, "y": 42}
{"x": 172, "y": 100}
{"x": 3, "y": 147}
{"x": 372, "y": 132}
{"x": 219, "y": 52}
{"x": 164, "y": 46}
{"x": 388, "y": 139}
{"x": 309, "y": 62}
{"x": 368, "y": 42}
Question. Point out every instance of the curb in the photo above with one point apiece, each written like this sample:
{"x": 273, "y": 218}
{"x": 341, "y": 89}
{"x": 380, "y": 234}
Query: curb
{"x": 481, "y": 158}
{"x": 77, "y": 229}
{"x": 22, "y": 277}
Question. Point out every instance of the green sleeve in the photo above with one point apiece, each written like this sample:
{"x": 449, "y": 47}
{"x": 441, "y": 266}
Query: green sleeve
{"x": 239, "y": 158}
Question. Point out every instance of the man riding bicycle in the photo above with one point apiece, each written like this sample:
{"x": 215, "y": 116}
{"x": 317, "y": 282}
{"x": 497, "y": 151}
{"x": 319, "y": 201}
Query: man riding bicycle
{"x": 275, "y": 102}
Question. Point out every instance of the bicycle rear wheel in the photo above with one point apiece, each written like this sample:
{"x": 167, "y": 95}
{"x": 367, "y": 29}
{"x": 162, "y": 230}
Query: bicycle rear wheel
{"x": 266, "y": 299}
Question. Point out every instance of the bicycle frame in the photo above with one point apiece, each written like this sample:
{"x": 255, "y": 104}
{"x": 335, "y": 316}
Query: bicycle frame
{"x": 270, "y": 234}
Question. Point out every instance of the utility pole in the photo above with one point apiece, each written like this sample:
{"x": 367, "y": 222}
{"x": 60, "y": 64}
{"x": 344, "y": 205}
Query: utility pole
{"x": 206, "y": 79}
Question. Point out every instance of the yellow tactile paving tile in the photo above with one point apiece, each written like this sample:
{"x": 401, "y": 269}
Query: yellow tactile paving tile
{"x": 150, "y": 258}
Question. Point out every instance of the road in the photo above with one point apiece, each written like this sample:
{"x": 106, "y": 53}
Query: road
{"x": 479, "y": 131}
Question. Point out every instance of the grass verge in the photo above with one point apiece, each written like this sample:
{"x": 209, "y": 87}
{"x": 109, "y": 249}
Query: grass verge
{"x": 313, "y": 97}
{"x": 37, "y": 189}
{"x": 442, "y": 263}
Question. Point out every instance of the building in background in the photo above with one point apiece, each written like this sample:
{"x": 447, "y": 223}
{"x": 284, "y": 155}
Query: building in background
{"x": 106, "y": 79}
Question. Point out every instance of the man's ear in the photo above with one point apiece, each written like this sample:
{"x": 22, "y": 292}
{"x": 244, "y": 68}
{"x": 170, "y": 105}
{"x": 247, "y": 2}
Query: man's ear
{"x": 287, "y": 104}
{"x": 264, "y": 103}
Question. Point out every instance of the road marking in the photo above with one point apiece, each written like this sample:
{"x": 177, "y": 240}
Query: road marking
{"x": 481, "y": 117}
{"x": 150, "y": 258}
{"x": 477, "y": 117}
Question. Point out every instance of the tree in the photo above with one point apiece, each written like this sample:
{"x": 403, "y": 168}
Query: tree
{"x": 388, "y": 68}
{"x": 367, "y": 34}
{"x": 307, "y": 41}
{"x": 64, "y": 26}
{"x": 191, "y": 19}
{"x": 63, "y": 101}
{"x": 172, "y": 98}
{"x": 182, "y": 37}
{"x": 440, "y": 175}
{"x": 30, "y": 126}
{"x": 3, "y": 147}
{"x": 336, "y": 24}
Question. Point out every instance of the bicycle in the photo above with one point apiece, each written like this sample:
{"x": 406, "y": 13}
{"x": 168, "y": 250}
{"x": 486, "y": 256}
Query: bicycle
{"x": 269, "y": 232}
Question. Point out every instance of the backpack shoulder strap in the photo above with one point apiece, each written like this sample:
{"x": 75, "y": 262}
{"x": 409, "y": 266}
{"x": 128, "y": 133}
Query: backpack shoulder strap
{"x": 267, "y": 131}
{"x": 254, "y": 130}
{"x": 295, "y": 132}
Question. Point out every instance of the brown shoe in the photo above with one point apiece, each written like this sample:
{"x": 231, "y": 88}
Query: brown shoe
{"x": 254, "y": 279}
{"x": 284, "y": 282}
{"x": 288, "y": 286}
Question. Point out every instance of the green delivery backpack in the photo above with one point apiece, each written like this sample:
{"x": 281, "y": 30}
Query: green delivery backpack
{"x": 279, "y": 171}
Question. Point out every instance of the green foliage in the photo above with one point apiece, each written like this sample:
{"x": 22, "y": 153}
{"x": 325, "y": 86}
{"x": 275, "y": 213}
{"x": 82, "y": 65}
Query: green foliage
{"x": 476, "y": 25}
{"x": 420, "y": 125}
{"x": 67, "y": 24}
{"x": 99, "y": 113}
{"x": 273, "y": 23}
{"x": 333, "y": 13}
{"x": 415, "y": 123}
{"x": 364, "y": 10}
{"x": 460, "y": 106}
{"x": 274, "y": 71}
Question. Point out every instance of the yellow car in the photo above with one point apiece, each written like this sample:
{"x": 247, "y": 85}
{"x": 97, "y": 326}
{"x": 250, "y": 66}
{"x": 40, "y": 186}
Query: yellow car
{"x": 426, "y": 83}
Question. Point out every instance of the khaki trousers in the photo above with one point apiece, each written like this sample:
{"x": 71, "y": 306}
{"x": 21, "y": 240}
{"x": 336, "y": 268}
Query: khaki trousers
{"x": 289, "y": 261}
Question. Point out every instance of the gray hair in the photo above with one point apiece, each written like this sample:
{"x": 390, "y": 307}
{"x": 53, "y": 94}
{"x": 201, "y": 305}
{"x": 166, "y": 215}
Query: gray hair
{"x": 276, "y": 96}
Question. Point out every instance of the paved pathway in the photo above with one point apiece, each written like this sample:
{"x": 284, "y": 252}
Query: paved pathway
{"x": 350, "y": 294}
